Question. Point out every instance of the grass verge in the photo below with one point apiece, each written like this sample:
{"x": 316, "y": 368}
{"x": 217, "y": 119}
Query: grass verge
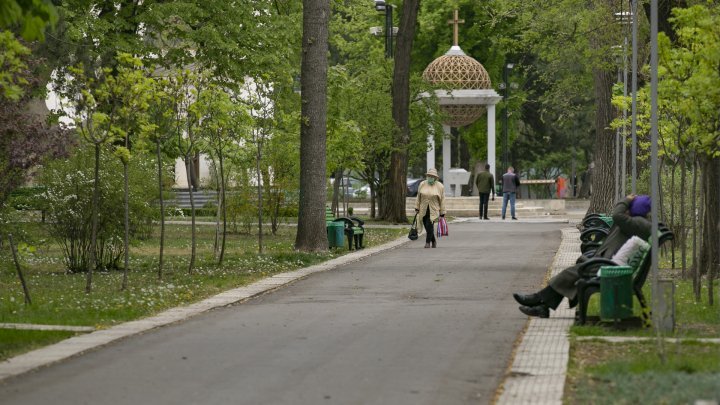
{"x": 59, "y": 298}
{"x": 14, "y": 341}
{"x": 642, "y": 372}
{"x": 693, "y": 318}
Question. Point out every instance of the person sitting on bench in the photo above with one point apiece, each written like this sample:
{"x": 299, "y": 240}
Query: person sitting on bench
{"x": 630, "y": 218}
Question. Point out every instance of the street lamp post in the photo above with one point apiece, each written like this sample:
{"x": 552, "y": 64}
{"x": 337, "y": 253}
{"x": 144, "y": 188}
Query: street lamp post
{"x": 506, "y": 96}
{"x": 383, "y": 7}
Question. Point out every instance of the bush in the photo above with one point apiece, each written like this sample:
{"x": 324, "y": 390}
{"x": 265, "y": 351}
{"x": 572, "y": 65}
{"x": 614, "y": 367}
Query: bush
{"x": 69, "y": 203}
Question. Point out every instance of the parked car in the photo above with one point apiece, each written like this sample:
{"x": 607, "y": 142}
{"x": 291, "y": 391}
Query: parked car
{"x": 412, "y": 187}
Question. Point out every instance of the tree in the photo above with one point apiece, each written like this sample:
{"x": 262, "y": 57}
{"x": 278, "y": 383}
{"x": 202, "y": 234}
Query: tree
{"x": 311, "y": 234}
{"x": 393, "y": 207}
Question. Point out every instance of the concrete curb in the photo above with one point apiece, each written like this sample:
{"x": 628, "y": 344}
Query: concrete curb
{"x": 537, "y": 374}
{"x": 80, "y": 344}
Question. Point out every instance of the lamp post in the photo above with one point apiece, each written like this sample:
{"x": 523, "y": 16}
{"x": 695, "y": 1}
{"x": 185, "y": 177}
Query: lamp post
{"x": 506, "y": 96}
{"x": 387, "y": 9}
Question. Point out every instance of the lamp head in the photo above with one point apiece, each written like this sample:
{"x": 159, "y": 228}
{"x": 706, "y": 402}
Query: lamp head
{"x": 380, "y": 5}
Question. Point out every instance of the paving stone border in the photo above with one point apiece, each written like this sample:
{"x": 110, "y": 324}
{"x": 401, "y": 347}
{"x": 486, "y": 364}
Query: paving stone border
{"x": 79, "y": 344}
{"x": 33, "y": 326}
{"x": 537, "y": 374}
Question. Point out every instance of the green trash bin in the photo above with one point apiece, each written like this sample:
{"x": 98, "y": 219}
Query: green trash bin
{"x": 336, "y": 234}
{"x": 616, "y": 292}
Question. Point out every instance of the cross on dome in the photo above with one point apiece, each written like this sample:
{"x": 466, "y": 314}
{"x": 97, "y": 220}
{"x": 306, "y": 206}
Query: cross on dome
{"x": 455, "y": 22}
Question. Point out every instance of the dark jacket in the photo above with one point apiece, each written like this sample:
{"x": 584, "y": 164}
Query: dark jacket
{"x": 485, "y": 182}
{"x": 624, "y": 227}
{"x": 510, "y": 182}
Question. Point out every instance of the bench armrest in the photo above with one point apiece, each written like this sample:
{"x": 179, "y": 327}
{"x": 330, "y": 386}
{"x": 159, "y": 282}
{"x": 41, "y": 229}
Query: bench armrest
{"x": 590, "y": 268}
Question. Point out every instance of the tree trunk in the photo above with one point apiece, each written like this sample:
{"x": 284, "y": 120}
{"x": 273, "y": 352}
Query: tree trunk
{"x": 335, "y": 206}
{"x": 683, "y": 219}
{"x": 224, "y": 210}
{"x": 393, "y": 206}
{"x": 695, "y": 267}
{"x": 603, "y": 192}
{"x": 93, "y": 234}
{"x": 258, "y": 157}
{"x": 672, "y": 211}
{"x": 126, "y": 239}
{"x": 162, "y": 210}
{"x": 311, "y": 234}
{"x": 189, "y": 169}
{"x": 710, "y": 246}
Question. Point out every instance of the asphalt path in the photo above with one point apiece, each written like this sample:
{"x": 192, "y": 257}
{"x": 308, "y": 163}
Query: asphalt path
{"x": 407, "y": 326}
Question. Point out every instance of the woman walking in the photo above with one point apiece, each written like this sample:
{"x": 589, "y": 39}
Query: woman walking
{"x": 430, "y": 203}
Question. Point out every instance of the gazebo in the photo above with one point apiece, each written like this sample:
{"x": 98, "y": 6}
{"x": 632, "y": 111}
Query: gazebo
{"x": 466, "y": 95}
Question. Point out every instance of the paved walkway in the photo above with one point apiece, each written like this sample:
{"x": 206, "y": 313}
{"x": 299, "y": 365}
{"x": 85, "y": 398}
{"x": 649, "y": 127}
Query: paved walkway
{"x": 412, "y": 325}
{"x": 537, "y": 375}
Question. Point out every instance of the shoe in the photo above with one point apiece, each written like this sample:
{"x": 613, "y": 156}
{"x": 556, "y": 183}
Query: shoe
{"x": 434, "y": 244}
{"x": 529, "y": 300}
{"x": 540, "y": 311}
{"x": 514, "y": 218}
{"x": 427, "y": 245}
{"x": 486, "y": 218}
{"x": 503, "y": 218}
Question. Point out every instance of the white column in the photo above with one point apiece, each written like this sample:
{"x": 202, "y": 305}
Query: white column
{"x": 446, "y": 158}
{"x": 491, "y": 138}
{"x": 431, "y": 150}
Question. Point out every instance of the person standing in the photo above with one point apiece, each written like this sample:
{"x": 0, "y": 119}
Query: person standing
{"x": 510, "y": 184}
{"x": 430, "y": 203}
{"x": 485, "y": 184}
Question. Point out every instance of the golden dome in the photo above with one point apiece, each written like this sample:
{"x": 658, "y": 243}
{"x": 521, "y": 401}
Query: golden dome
{"x": 456, "y": 71}
{"x": 459, "y": 115}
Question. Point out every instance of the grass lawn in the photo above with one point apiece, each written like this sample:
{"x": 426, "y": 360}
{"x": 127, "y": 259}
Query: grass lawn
{"x": 635, "y": 373}
{"x": 14, "y": 342}
{"x": 693, "y": 319}
{"x": 59, "y": 298}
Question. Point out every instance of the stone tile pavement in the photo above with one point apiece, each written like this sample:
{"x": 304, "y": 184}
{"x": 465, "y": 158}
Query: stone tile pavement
{"x": 537, "y": 375}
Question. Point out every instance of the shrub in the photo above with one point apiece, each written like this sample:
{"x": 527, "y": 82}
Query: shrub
{"x": 68, "y": 197}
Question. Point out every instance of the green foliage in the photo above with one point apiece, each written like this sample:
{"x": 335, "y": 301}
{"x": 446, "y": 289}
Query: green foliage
{"x": 32, "y": 16}
{"x": 68, "y": 202}
{"x": 12, "y": 62}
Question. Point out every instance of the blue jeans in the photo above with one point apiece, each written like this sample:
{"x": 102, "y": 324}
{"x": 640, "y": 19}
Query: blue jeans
{"x": 506, "y": 197}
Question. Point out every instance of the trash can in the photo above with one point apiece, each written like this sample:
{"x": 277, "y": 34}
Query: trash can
{"x": 336, "y": 234}
{"x": 616, "y": 292}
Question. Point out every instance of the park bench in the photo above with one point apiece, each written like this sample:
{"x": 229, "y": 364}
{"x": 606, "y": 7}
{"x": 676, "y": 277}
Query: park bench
{"x": 595, "y": 220}
{"x": 589, "y": 282}
{"x": 353, "y": 228}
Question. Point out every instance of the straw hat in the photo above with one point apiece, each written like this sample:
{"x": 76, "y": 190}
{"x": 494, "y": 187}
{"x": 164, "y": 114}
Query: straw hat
{"x": 432, "y": 172}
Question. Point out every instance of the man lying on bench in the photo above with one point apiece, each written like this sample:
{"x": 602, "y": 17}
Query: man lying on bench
{"x": 630, "y": 218}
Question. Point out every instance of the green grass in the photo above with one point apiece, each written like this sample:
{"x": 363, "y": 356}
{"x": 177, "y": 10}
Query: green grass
{"x": 632, "y": 373}
{"x": 693, "y": 319}
{"x": 14, "y": 342}
{"x": 59, "y": 298}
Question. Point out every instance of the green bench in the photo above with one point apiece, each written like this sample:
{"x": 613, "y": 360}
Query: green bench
{"x": 589, "y": 282}
{"x": 353, "y": 229}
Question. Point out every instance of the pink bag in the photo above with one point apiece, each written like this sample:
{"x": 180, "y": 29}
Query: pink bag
{"x": 442, "y": 228}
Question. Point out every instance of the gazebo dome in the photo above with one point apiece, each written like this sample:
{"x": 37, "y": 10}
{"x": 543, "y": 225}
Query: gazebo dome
{"x": 455, "y": 70}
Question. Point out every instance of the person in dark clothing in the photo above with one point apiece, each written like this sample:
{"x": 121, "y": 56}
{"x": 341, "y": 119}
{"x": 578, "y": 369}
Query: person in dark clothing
{"x": 629, "y": 219}
{"x": 510, "y": 185}
{"x": 485, "y": 185}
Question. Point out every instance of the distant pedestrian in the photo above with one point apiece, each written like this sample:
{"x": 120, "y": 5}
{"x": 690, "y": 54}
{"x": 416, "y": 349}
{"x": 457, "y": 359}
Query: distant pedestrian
{"x": 430, "y": 203}
{"x": 561, "y": 186}
{"x": 485, "y": 183}
{"x": 510, "y": 184}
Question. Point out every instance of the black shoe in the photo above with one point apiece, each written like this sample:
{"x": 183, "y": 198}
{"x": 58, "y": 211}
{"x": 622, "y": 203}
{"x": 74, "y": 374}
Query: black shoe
{"x": 486, "y": 218}
{"x": 503, "y": 218}
{"x": 529, "y": 300}
{"x": 540, "y": 311}
{"x": 514, "y": 218}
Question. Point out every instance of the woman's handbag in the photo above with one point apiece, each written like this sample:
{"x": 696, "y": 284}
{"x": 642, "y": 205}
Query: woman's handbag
{"x": 413, "y": 235}
{"x": 442, "y": 228}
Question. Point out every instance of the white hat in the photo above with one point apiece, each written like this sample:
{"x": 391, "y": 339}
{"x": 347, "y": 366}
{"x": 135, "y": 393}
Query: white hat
{"x": 432, "y": 172}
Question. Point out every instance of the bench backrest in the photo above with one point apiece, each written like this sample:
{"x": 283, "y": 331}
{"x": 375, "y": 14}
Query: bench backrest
{"x": 640, "y": 272}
